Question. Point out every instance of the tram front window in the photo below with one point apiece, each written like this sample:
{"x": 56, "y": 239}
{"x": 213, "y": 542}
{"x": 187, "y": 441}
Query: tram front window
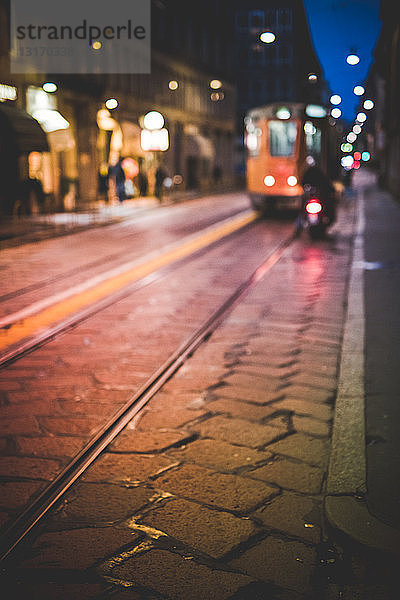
{"x": 282, "y": 138}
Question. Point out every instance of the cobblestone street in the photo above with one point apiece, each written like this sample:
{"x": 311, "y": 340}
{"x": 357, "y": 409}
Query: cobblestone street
{"x": 215, "y": 491}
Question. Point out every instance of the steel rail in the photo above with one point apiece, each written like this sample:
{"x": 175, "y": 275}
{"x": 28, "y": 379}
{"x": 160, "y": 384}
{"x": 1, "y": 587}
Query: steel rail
{"x": 34, "y": 513}
{"x": 20, "y": 349}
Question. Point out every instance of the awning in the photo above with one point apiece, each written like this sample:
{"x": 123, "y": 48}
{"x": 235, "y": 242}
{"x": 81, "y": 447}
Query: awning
{"x": 199, "y": 145}
{"x": 24, "y": 131}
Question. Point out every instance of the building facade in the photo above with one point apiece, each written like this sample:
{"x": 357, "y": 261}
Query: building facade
{"x": 67, "y": 163}
{"x": 383, "y": 86}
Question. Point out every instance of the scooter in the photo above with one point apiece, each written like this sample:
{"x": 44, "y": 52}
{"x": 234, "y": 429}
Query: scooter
{"x": 317, "y": 212}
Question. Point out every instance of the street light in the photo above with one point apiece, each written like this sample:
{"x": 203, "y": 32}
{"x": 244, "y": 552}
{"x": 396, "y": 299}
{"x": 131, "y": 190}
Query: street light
{"x": 335, "y": 99}
{"x": 361, "y": 117}
{"x": 352, "y": 59}
{"x": 49, "y": 87}
{"x": 359, "y": 90}
{"x": 336, "y": 113}
{"x": 368, "y": 104}
{"x": 267, "y": 37}
{"x": 111, "y": 103}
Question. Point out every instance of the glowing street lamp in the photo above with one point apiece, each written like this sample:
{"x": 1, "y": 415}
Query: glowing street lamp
{"x": 335, "y": 99}
{"x": 111, "y": 103}
{"x": 361, "y": 117}
{"x": 368, "y": 104}
{"x": 267, "y": 37}
{"x": 215, "y": 84}
{"x": 359, "y": 90}
{"x": 336, "y": 113}
{"x": 49, "y": 87}
{"x": 352, "y": 59}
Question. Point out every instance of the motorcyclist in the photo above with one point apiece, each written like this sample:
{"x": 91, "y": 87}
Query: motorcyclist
{"x": 314, "y": 176}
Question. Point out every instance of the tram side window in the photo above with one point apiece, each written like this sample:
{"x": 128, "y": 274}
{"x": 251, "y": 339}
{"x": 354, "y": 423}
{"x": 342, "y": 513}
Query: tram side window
{"x": 282, "y": 138}
{"x": 313, "y": 139}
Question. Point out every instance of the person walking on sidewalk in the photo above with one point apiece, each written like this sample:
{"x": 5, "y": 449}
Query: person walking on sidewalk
{"x": 160, "y": 175}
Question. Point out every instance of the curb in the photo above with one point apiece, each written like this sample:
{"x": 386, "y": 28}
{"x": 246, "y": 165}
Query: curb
{"x": 345, "y": 503}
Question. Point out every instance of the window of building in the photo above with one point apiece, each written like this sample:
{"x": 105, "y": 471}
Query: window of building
{"x": 285, "y": 18}
{"x": 282, "y": 138}
{"x": 256, "y": 18}
{"x": 242, "y": 20}
{"x": 270, "y": 18}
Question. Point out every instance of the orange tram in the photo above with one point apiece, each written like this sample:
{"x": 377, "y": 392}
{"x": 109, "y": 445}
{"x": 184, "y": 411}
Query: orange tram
{"x": 282, "y": 140}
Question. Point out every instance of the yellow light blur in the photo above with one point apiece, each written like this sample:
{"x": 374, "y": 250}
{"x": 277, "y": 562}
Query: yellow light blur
{"x": 215, "y": 84}
{"x": 173, "y": 85}
{"x": 96, "y": 45}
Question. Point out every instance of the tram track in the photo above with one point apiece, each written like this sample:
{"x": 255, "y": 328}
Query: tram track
{"x": 34, "y": 514}
{"x": 151, "y": 268}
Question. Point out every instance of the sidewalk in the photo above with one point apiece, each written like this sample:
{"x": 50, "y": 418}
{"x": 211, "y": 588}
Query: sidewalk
{"x": 363, "y": 483}
{"x": 31, "y": 228}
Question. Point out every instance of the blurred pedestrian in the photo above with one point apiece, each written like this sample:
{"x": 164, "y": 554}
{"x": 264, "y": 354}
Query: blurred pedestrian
{"x": 143, "y": 183}
{"x": 160, "y": 175}
{"x": 117, "y": 173}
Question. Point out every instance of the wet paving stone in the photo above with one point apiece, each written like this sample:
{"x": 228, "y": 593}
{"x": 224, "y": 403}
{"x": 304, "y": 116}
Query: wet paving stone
{"x": 210, "y": 531}
{"x": 78, "y": 548}
{"x": 229, "y": 492}
{"x": 121, "y": 468}
{"x": 98, "y": 503}
{"x": 311, "y": 450}
{"x": 289, "y": 564}
{"x": 218, "y": 455}
{"x": 241, "y": 432}
{"x": 290, "y": 475}
{"x": 294, "y": 514}
{"x": 195, "y": 580}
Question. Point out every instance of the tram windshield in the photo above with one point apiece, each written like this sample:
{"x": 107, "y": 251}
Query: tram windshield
{"x": 282, "y": 138}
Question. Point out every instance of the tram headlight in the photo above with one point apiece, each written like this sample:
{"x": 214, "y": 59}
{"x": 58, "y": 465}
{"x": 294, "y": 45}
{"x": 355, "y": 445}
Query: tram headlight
{"x": 292, "y": 180}
{"x": 269, "y": 180}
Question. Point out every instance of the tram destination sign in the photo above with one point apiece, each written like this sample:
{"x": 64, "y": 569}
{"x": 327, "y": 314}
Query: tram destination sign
{"x": 71, "y": 36}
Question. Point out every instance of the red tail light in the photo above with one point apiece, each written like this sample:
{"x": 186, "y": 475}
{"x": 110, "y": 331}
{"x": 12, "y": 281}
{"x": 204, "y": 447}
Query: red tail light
{"x": 313, "y": 207}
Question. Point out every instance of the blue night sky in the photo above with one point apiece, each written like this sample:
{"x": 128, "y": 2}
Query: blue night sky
{"x": 338, "y": 26}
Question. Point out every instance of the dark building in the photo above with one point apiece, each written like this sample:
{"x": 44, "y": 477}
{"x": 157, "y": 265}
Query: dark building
{"x": 383, "y": 86}
{"x": 277, "y": 71}
{"x": 191, "y": 48}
